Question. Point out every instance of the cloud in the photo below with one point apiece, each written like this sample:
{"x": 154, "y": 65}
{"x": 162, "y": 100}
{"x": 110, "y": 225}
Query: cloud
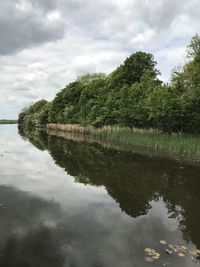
{"x": 24, "y": 25}
{"x": 46, "y": 44}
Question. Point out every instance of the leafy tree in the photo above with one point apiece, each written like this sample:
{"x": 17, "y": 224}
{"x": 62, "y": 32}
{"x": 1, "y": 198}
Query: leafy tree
{"x": 133, "y": 68}
{"x": 187, "y": 82}
{"x": 132, "y": 96}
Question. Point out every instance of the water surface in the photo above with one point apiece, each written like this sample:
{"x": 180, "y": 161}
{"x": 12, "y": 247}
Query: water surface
{"x": 77, "y": 204}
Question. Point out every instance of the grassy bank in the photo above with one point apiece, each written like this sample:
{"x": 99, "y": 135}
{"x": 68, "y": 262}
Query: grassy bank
{"x": 178, "y": 145}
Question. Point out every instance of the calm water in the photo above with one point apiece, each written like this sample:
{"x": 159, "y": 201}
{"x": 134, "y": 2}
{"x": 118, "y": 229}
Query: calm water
{"x": 64, "y": 203}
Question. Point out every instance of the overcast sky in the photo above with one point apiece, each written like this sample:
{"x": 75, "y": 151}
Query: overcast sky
{"x": 44, "y": 44}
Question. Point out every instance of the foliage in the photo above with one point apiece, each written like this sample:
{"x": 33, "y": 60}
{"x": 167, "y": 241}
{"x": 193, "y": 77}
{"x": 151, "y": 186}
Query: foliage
{"x": 148, "y": 141}
{"x": 35, "y": 116}
{"x": 131, "y": 96}
{"x": 133, "y": 68}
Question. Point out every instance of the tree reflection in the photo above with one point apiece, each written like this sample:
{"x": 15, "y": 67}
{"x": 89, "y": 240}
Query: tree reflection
{"x": 133, "y": 180}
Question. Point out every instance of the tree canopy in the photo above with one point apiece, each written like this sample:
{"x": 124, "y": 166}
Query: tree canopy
{"x": 132, "y": 95}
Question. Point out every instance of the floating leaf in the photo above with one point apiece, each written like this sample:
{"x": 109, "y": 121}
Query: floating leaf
{"x": 149, "y": 259}
{"x": 151, "y": 254}
{"x": 181, "y": 254}
{"x": 156, "y": 256}
{"x": 163, "y": 242}
{"x": 183, "y": 247}
{"x": 195, "y": 252}
{"x": 177, "y": 248}
{"x": 168, "y": 251}
{"x": 149, "y": 250}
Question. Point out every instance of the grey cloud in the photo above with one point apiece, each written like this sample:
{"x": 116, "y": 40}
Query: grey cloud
{"x": 28, "y": 24}
{"x": 46, "y": 4}
{"x": 21, "y": 89}
{"x": 22, "y": 25}
{"x": 159, "y": 14}
{"x": 46, "y": 43}
{"x": 25, "y": 23}
{"x": 30, "y": 95}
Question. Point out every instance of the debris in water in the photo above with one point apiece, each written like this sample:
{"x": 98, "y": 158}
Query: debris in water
{"x": 156, "y": 256}
{"x": 149, "y": 251}
{"x": 152, "y": 254}
{"x": 168, "y": 251}
{"x": 181, "y": 254}
{"x": 178, "y": 248}
{"x": 149, "y": 259}
{"x": 163, "y": 242}
{"x": 196, "y": 252}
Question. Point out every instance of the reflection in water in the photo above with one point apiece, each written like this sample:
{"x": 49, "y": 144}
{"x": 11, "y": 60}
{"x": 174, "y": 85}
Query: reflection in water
{"x": 28, "y": 230}
{"x": 131, "y": 179}
{"x": 158, "y": 200}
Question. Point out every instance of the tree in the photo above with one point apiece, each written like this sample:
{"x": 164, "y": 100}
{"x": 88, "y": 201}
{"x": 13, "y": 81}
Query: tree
{"x": 164, "y": 109}
{"x": 193, "y": 49}
{"x": 187, "y": 82}
{"x": 132, "y": 96}
{"x": 133, "y": 68}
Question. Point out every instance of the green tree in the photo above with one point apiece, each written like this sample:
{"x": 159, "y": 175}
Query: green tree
{"x": 133, "y": 68}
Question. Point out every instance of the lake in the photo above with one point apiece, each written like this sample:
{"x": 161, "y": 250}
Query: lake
{"x": 79, "y": 204}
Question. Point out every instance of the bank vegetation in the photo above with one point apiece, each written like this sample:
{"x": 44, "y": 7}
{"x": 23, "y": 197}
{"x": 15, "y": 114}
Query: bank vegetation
{"x": 130, "y": 105}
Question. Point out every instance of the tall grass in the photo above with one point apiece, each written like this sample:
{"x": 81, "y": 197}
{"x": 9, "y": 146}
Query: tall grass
{"x": 72, "y": 128}
{"x": 183, "y": 145}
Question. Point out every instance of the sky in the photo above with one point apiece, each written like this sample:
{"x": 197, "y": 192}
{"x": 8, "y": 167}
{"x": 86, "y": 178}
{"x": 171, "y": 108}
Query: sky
{"x": 45, "y": 44}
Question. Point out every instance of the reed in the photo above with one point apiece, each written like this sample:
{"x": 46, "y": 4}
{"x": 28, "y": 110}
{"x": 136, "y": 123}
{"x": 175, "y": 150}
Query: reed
{"x": 178, "y": 144}
{"x": 72, "y": 128}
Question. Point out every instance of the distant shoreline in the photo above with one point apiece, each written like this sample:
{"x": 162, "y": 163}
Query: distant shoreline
{"x": 8, "y": 121}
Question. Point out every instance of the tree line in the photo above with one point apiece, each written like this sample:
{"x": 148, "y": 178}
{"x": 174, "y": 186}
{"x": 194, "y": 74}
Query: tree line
{"x": 130, "y": 96}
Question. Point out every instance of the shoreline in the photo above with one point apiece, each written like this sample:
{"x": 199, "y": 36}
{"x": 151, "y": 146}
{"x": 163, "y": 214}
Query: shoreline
{"x": 8, "y": 122}
{"x": 152, "y": 142}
